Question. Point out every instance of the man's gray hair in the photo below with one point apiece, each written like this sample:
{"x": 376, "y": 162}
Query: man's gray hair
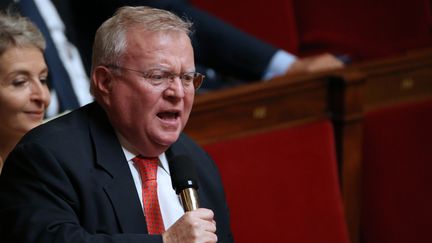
{"x": 110, "y": 40}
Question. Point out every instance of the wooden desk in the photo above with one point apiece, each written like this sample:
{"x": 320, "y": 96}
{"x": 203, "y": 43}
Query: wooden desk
{"x": 257, "y": 107}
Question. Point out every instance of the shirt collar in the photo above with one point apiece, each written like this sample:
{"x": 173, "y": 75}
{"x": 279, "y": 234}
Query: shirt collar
{"x": 130, "y": 154}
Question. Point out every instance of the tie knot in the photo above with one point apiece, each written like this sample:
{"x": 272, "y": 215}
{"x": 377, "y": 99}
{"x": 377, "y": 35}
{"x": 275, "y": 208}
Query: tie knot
{"x": 147, "y": 167}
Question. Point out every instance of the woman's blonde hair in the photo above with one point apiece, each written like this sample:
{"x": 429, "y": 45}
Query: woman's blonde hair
{"x": 18, "y": 31}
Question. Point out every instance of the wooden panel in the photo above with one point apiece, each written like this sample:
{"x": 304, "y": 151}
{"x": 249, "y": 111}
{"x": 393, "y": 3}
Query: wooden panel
{"x": 398, "y": 86}
{"x": 257, "y": 107}
{"x": 346, "y": 96}
{"x": 395, "y": 80}
{"x": 379, "y": 83}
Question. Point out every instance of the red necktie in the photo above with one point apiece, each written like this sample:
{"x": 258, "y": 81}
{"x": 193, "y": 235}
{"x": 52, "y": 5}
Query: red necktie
{"x": 148, "y": 172}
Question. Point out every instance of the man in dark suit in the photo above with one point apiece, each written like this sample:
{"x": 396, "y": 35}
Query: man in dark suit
{"x": 217, "y": 44}
{"x": 79, "y": 178}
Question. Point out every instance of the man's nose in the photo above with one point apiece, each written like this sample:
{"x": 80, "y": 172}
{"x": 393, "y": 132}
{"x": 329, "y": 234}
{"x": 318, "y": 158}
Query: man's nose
{"x": 176, "y": 86}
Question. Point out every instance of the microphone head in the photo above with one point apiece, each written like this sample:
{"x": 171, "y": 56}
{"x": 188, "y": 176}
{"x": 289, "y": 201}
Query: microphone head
{"x": 183, "y": 173}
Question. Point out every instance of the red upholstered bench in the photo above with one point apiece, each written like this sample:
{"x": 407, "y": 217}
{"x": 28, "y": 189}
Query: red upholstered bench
{"x": 282, "y": 186}
{"x": 397, "y": 170}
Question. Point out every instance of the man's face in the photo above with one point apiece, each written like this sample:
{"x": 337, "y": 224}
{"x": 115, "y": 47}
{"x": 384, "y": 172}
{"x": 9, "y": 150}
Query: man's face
{"x": 151, "y": 117}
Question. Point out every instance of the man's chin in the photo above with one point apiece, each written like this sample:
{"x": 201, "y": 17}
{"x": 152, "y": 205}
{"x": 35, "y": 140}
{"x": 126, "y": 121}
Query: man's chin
{"x": 167, "y": 139}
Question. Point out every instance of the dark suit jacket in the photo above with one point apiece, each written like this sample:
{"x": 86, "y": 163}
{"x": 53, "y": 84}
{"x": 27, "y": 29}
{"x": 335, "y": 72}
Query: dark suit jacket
{"x": 68, "y": 181}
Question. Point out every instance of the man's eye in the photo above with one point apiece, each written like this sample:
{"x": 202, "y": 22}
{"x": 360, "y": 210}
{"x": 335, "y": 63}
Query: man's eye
{"x": 159, "y": 75}
{"x": 156, "y": 76}
{"x": 188, "y": 77}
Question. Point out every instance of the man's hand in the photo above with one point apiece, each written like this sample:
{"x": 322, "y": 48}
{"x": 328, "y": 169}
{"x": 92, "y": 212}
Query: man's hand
{"x": 193, "y": 226}
{"x": 317, "y": 63}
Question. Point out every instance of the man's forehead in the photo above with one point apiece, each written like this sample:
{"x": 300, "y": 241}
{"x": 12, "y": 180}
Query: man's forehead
{"x": 149, "y": 41}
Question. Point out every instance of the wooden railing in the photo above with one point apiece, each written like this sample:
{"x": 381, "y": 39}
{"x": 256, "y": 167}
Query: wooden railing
{"x": 258, "y": 107}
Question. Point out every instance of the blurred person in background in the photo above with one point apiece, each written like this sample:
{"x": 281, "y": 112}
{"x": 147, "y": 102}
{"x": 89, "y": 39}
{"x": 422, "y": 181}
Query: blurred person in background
{"x": 68, "y": 80}
{"x": 227, "y": 55}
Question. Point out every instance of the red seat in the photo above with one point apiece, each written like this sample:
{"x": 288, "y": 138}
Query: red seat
{"x": 282, "y": 186}
{"x": 397, "y": 182}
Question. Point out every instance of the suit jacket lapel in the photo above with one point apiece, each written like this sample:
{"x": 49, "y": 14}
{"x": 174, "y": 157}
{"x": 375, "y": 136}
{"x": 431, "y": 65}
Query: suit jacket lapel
{"x": 121, "y": 190}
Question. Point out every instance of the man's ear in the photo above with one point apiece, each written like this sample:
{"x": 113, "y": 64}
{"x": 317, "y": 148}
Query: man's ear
{"x": 102, "y": 79}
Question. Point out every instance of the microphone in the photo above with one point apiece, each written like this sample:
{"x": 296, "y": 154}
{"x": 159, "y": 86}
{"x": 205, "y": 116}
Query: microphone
{"x": 185, "y": 181}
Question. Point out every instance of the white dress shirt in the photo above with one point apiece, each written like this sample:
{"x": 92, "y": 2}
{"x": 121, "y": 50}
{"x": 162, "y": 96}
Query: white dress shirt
{"x": 279, "y": 64}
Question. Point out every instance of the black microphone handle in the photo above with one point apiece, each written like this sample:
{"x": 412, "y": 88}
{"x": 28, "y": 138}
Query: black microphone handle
{"x": 185, "y": 181}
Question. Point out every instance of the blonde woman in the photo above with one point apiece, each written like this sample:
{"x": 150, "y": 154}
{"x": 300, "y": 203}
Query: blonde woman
{"x": 24, "y": 94}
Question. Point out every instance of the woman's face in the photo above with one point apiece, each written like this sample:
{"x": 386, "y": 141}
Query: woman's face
{"x": 24, "y": 94}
